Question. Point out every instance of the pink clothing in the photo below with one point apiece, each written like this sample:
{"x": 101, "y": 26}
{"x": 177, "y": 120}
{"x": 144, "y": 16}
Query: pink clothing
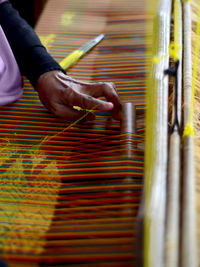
{"x": 10, "y": 77}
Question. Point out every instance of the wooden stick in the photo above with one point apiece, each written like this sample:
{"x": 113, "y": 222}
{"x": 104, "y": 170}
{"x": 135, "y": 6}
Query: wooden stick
{"x": 189, "y": 241}
{"x": 174, "y": 168}
{"x": 128, "y": 118}
{"x": 128, "y": 129}
{"x": 128, "y": 125}
{"x": 156, "y": 149}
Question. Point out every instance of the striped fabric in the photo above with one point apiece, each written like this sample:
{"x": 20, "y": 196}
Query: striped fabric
{"x": 69, "y": 193}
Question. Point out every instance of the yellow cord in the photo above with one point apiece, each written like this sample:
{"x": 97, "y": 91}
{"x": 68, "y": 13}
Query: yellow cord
{"x": 175, "y": 46}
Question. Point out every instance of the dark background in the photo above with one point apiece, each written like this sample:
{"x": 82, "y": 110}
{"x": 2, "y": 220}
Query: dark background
{"x": 30, "y": 10}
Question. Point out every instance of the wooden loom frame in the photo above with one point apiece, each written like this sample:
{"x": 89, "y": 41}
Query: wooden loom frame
{"x": 162, "y": 208}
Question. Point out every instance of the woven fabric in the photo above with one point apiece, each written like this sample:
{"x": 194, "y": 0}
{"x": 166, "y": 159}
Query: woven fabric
{"x": 69, "y": 192}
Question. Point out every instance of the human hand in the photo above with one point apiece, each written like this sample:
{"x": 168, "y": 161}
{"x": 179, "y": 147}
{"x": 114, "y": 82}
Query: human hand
{"x": 59, "y": 93}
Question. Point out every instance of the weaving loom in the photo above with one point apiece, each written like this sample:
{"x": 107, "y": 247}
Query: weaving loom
{"x": 70, "y": 193}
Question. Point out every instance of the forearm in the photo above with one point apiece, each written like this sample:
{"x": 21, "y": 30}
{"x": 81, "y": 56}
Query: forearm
{"x": 30, "y": 54}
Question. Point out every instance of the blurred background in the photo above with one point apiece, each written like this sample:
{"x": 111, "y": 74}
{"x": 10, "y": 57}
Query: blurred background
{"x": 29, "y": 10}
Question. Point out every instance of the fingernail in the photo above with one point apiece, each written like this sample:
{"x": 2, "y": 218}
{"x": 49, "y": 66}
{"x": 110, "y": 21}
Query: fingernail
{"x": 110, "y": 105}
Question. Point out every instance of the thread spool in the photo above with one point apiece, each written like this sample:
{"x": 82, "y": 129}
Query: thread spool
{"x": 127, "y": 145}
{"x": 128, "y": 118}
{"x": 128, "y": 126}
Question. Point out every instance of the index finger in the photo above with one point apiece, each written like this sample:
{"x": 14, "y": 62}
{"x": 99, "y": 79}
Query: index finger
{"x": 108, "y": 90}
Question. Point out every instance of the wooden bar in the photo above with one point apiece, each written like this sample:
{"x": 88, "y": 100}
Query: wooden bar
{"x": 156, "y": 145}
{"x": 189, "y": 256}
{"x": 172, "y": 244}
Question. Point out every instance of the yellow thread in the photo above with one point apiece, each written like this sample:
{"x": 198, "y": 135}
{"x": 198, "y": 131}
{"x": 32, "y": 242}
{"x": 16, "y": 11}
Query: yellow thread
{"x": 189, "y": 130}
{"x": 77, "y": 108}
{"x": 48, "y": 138}
{"x": 34, "y": 151}
{"x": 157, "y": 59}
{"x": 17, "y": 220}
{"x": 189, "y": 127}
{"x": 174, "y": 50}
{"x": 174, "y": 47}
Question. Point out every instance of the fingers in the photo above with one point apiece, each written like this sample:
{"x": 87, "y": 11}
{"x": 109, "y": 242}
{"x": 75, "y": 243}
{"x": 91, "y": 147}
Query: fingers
{"x": 59, "y": 93}
{"x": 79, "y": 94}
{"x": 88, "y": 102}
{"x": 111, "y": 95}
{"x": 106, "y": 89}
{"x": 109, "y": 92}
{"x": 70, "y": 114}
{"x": 86, "y": 96}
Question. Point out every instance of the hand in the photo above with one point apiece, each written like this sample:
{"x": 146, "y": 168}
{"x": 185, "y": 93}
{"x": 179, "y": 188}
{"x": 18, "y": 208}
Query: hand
{"x": 59, "y": 93}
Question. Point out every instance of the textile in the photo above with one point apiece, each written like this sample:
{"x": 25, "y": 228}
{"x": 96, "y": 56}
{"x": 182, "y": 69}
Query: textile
{"x": 69, "y": 193}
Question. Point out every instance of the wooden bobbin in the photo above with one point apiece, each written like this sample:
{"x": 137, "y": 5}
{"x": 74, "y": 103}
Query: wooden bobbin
{"x": 128, "y": 127}
{"x": 128, "y": 123}
{"x": 127, "y": 146}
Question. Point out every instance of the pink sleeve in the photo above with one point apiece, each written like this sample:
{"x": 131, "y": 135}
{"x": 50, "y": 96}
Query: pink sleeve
{"x": 10, "y": 76}
{"x": 1, "y": 1}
